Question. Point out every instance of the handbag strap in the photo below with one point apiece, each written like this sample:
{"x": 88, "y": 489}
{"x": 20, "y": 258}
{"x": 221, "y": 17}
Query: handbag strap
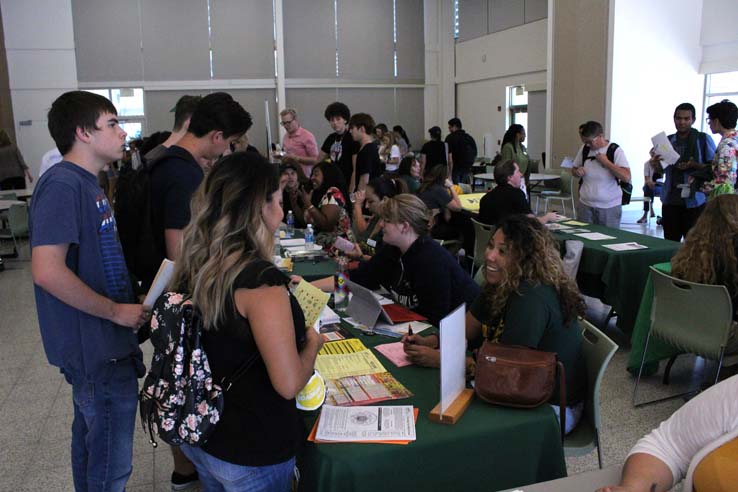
{"x": 228, "y": 381}
{"x": 562, "y": 397}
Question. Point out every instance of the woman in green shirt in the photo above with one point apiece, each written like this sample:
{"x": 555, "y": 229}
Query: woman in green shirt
{"x": 513, "y": 148}
{"x": 409, "y": 172}
{"x": 527, "y": 300}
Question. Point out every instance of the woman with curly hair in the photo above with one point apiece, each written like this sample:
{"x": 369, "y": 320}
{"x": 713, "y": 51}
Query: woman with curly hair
{"x": 708, "y": 255}
{"x": 246, "y": 309}
{"x": 527, "y": 300}
{"x": 328, "y": 208}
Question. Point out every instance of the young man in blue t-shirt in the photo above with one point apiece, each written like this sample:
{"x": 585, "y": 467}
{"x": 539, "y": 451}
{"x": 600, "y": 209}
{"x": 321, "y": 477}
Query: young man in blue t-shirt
{"x": 85, "y": 304}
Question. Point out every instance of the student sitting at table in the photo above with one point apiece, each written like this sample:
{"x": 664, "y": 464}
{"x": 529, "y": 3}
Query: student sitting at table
{"x": 291, "y": 198}
{"x": 709, "y": 254}
{"x": 369, "y": 234}
{"x": 328, "y": 209}
{"x": 409, "y": 172}
{"x": 699, "y": 444}
{"x": 507, "y": 198}
{"x": 527, "y": 300}
{"x": 225, "y": 263}
{"x": 418, "y": 272}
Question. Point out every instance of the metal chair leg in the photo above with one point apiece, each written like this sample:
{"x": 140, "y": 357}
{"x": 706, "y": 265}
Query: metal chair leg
{"x": 667, "y": 371}
{"x": 640, "y": 369}
{"x": 599, "y": 450}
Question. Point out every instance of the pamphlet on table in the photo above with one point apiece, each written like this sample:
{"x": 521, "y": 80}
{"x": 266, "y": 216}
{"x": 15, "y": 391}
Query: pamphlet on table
{"x": 371, "y": 423}
{"x": 594, "y": 236}
{"x": 624, "y": 246}
{"x": 395, "y": 352}
{"x": 365, "y": 389}
{"x": 345, "y": 358}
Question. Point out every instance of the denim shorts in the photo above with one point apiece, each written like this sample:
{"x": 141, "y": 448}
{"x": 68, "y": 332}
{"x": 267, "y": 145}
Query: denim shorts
{"x": 217, "y": 475}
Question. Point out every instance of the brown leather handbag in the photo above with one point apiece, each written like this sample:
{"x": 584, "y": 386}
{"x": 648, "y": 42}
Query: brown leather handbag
{"x": 516, "y": 376}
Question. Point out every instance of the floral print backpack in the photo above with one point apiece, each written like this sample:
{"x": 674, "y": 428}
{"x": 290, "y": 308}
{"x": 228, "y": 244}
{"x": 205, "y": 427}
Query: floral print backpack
{"x": 179, "y": 401}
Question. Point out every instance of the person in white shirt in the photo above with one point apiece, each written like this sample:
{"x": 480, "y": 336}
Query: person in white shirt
{"x": 600, "y": 196}
{"x": 50, "y": 158}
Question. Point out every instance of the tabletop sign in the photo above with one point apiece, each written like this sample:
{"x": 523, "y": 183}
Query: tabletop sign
{"x": 454, "y": 397}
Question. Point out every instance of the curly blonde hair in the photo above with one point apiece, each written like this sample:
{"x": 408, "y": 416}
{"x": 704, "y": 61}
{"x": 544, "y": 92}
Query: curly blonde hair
{"x": 708, "y": 254}
{"x": 533, "y": 256}
{"x": 227, "y": 231}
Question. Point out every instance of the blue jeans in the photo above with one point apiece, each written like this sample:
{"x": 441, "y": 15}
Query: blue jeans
{"x": 102, "y": 430}
{"x": 461, "y": 175}
{"x": 221, "y": 476}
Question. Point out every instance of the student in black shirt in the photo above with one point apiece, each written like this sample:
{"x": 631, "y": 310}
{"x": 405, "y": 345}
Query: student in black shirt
{"x": 462, "y": 150}
{"x": 507, "y": 198}
{"x": 340, "y": 146}
{"x": 247, "y": 314}
{"x": 368, "y": 164}
{"x": 433, "y": 151}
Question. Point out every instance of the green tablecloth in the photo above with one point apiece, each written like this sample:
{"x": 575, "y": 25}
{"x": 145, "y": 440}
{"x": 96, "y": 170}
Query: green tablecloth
{"x": 312, "y": 269}
{"x": 657, "y": 348}
{"x": 618, "y": 277}
{"x": 490, "y": 448}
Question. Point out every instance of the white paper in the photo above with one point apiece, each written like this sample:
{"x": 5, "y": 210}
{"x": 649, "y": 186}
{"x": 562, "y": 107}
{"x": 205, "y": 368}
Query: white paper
{"x": 662, "y": 147}
{"x": 400, "y": 329}
{"x": 594, "y": 236}
{"x": 301, "y": 249}
{"x": 369, "y": 423}
{"x": 292, "y": 242}
{"x": 567, "y": 163}
{"x": 553, "y": 226}
{"x": 327, "y": 317}
{"x": 163, "y": 276}
{"x": 624, "y": 246}
{"x": 453, "y": 356}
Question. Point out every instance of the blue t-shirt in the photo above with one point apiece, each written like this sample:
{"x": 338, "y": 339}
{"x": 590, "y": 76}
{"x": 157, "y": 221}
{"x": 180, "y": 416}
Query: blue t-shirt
{"x": 69, "y": 207}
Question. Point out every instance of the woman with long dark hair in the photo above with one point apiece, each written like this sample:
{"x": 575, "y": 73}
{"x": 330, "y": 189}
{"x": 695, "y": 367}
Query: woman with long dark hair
{"x": 513, "y": 148}
{"x": 246, "y": 309}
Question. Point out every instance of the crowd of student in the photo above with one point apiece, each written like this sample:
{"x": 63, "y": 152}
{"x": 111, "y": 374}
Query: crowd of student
{"x": 215, "y": 210}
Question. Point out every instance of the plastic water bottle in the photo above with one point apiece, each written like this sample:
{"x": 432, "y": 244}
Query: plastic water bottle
{"x": 290, "y": 224}
{"x": 340, "y": 287}
{"x": 309, "y": 237}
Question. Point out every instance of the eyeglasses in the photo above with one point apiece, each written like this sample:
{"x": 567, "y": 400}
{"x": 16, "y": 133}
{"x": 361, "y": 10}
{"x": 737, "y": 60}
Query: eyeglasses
{"x": 286, "y": 122}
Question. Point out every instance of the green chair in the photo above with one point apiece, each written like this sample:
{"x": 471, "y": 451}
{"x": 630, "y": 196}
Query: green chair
{"x": 597, "y": 350}
{"x": 479, "y": 277}
{"x": 482, "y": 233}
{"x": 8, "y": 195}
{"x": 694, "y": 318}
{"x": 17, "y": 226}
{"x": 563, "y": 195}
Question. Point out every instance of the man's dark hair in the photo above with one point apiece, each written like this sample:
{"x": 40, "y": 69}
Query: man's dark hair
{"x": 184, "y": 109}
{"x": 362, "y": 120}
{"x": 435, "y": 133}
{"x": 337, "y": 109}
{"x": 725, "y": 112}
{"x": 686, "y": 107}
{"x": 503, "y": 171}
{"x": 590, "y": 129}
{"x": 382, "y": 127}
{"x": 455, "y": 122}
{"x": 72, "y": 110}
{"x": 219, "y": 112}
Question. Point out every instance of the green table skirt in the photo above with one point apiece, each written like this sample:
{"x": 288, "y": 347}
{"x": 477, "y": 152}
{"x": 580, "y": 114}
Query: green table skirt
{"x": 490, "y": 448}
{"x": 618, "y": 277}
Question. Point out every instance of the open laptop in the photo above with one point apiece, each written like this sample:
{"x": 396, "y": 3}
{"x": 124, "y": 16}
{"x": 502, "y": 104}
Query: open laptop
{"x": 364, "y": 307}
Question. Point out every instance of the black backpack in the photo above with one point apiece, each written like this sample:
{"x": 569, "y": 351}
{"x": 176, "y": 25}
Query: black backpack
{"x": 624, "y": 185}
{"x": 141, "y": 248}
{"x": 469, "y": 147}
{"x": 180, "y": 401}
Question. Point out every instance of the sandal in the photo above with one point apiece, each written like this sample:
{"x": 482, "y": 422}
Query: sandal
{"x": 642, "y": 220}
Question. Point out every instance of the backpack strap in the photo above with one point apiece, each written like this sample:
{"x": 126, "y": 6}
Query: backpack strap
{"x": 227, "y": 382}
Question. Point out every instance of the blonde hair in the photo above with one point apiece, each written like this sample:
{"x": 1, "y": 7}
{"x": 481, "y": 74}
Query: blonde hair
{"x": 708, "y": 253}
{"x": 407, "y": 208}
{"x": 227, "y": 231}
{"x": 533, "y": 256}
{"x": 291, "y": 111}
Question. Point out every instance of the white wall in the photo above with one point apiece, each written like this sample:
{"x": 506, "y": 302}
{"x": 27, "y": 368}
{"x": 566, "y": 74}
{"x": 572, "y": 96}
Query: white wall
{"x": 719, "y": 35}
{"x": 652, "y": 72}
{"x": 39, "y": 40}
{"x": 486, "y": 66}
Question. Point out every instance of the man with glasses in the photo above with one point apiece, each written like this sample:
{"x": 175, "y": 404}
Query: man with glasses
{"x": 682, "y": 202}
{"x": 298, "y": 144}
{"x": 600, "y": 165}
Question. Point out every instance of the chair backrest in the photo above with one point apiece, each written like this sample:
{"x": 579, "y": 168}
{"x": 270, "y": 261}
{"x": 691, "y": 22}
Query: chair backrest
{"x": 693, "y": 317}
{"x": 8, "y": 195}
{"x": 479, "y": 277}
{"x": 18, "y": 220}
{"x": 597, "y": 350}
{"x": 566, "y": 182}
{"x": 482, "y": 233}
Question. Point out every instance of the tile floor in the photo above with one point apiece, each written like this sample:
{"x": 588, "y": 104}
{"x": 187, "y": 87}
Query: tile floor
{"x": 36, "y": 402}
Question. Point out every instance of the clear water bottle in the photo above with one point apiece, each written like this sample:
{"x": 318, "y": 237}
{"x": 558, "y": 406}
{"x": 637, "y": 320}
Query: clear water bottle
{"x": 290, "y": 224}
{"x": 309, "y": 237}
{"x": 340, "y": 287}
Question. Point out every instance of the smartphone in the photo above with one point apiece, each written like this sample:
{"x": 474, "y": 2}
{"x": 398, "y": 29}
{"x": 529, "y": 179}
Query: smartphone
{"x": 344, "y": 245}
